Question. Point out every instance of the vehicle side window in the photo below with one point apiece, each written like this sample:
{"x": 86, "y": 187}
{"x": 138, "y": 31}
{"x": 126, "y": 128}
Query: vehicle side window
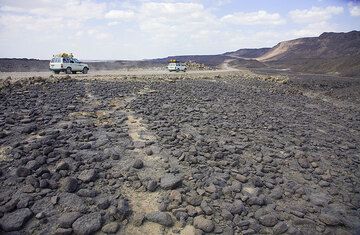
{"x": 71, "y": 61}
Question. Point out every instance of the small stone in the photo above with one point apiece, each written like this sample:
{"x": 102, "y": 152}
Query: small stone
{"x": 54, "y": 199}
{"x": 277, "y": 193}
{"x": 69, "y": 185}
{"x": 297, "y": 213}
{"x": 15, "y": 220}
{"x": 29, "y": 129}
{"x": 206, "y": 208}
{"x": 63, "y": 231}
{"x": 329, "y": 219}
{"x": 67, "y": 219}
{"x": 123, "y": 209}
{"x": 149, "y": 152}
{"x": 87, "y": 192}
{"x": 304, "y": 163}
{"x": 71, "y": 202}
{"x": 111, "y": 227}
{"x": 87, "y": 176}
{"x": 226, "y": 214}
{"x": 210, "y": 189}
{"x": 170, "y": 181}
{"x": 152, "y": 185}
{"x": 40, "y": 215}
{"x": 237, "y": 207}
{"x": 87, "y": 224}
{"x": 162, "y": 218}
{"x": 248, "y": 231}
{"x": 194, "y": 200}
{"x": 138, "y": 219}
{"x": 268, "y": 220}
{"x": 43, "y": 183}
{"x": 175, "y": 195}
{"x": 205, "y": 225}
{"x": 42, "y": 205}
{"x": 324, "y": 183}
{"x": 10, "y": 205}
{"x": 22, "y": 171}
{"x": 281, "y": 228}
{"x": 103, "y": 203}
{"x": 62, "y": 165}
{"x": 241, "y": 178}
{"x": 138, "y": 164}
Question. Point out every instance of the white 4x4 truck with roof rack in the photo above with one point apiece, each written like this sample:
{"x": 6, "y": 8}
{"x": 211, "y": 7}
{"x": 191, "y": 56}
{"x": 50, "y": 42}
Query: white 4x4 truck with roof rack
{"x": 177, "y": 66}
{"x": 68, "y": 64}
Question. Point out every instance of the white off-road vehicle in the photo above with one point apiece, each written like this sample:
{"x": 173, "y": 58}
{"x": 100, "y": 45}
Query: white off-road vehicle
{"x": 68, "y": 65}
{"x": 176, "y": 66}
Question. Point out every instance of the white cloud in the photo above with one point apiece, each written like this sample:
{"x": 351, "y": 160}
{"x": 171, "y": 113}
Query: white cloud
{"x": 253, "y": 18}
{"x": 70, "y": 9}
{"x": 315, "y": 14}
{"x": 147, "y": 28}
{"x": 222, "y": 2}
{"x": 168, "y": 21}
{"x": 354, "y": 9}
{"x": 45, "y": 15}
{"x": 25, "y": 22}
{"x": 113, "y": 23}
{"x": 120, "y": 15}
{"x": 313, "y": 30}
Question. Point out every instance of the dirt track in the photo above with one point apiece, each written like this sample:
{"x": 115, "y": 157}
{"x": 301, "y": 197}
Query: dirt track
{"x": 109, "y": 73}
{"x": 200, "y": 152}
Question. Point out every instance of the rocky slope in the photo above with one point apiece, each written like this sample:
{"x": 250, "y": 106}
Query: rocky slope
{"x": 248, "y": 53}
{"x": 337, "y": 53}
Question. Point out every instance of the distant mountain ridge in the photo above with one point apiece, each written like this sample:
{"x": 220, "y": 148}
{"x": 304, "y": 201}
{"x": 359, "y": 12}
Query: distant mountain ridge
{"x": 327, "y": 45}
{"x": 334, "y": 53}
{"x": 330, "y": 53}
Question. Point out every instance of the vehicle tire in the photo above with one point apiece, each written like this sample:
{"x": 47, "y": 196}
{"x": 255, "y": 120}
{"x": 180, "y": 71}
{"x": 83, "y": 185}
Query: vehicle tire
{"x": 177, "y": 70}
{"x": 56, "y": 72}
{"x": 68, "y": 70}
{"x": 85, "y": 70}
{"x": 184, "y": 70}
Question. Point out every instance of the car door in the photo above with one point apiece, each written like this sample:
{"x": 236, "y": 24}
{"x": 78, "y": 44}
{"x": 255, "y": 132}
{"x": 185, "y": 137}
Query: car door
{"x": 66, "y": 62}
{"x": 78, "y": 64}
{"x": 73, "y": 65}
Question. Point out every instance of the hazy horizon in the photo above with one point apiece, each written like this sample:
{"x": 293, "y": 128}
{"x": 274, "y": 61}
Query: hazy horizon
{"x": 138, "y": 30}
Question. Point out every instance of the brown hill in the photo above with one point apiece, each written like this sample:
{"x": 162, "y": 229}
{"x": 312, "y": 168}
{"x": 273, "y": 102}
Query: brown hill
{"x": 334, "y": 53}
{"x": 248, "y": 53}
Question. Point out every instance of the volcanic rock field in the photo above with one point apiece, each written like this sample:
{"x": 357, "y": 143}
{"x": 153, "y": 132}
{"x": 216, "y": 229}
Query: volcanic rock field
{"x": 180, "y": 154}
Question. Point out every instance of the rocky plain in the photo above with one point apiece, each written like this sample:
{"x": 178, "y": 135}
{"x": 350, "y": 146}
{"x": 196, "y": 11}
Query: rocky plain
{"x": 183, "y": 153}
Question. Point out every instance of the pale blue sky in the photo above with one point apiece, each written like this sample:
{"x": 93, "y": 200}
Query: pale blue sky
{"x": 110, "y": 29}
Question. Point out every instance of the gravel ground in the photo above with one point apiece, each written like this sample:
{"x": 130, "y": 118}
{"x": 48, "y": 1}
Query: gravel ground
{"x": 208, "y": 152}
{"x": 113, "y": 73}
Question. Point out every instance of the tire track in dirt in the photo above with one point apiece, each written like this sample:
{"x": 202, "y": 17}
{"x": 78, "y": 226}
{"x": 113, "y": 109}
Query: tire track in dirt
{"x": 142, "y": 201}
